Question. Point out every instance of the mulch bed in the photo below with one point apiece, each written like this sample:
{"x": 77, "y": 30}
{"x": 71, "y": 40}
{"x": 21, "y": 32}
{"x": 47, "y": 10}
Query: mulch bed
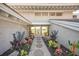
{"x": 6, "y": 53}
{"x": 52, "y": 50}
{"x": 9, "y": 51}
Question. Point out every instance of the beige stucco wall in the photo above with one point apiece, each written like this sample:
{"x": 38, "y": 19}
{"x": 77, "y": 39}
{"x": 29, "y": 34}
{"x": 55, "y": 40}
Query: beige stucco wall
{"x": 6, "y": 31}
{"x": 66, "y": 14}
{"x": 65, "y": 34}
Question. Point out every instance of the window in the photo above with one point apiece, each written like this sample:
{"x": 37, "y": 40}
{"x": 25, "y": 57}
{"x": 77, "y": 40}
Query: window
{"x": 59, "y": 14}
{"x": 44, "y": 13}
{"x": 51, "y": 13}
{"x": 48, "y": 13}
{"x": 37, "y": 14}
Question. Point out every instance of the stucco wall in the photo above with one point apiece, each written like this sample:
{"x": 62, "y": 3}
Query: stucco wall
{"x": 66, "y": 14}
{"x": 65, "y": 34}
{"x": 6, "y": 31}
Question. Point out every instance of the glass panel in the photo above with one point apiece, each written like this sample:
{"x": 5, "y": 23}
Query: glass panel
{"x": 37, "y": 13}
{"x": 59, "y": 14}
{"x": 33, "y": 30}
{"x": 44, "y": 30}
{"x": 38, "y": 30}
{"x": 51, "y": 13}
{"x": 44, "y": 13}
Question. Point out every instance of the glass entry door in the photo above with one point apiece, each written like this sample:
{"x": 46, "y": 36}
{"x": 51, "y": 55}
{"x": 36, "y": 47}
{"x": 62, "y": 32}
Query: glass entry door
{"x": 33, "y": 30}
{"x": 45, "y": 30}
{"x": 39, "y": 30}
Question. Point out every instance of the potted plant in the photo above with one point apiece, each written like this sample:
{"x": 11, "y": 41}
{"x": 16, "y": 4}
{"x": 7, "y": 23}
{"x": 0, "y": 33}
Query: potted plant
{"x": 73, "y": 47}
{"x": 70, "y": 54}
{"x": 29, "y": 41}
{"x": 23, "y": 53}
{"x": 16, "y": 43}
{"x": 54, "y": 34}
{"x": 50, "y": 43}
{"x": 20, "y": 44}
{"x": 24, "y": 50}
{"x": 58, "y": 51}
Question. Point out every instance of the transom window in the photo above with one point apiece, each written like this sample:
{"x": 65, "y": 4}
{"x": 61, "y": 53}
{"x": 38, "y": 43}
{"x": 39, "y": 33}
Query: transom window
{"x": 51, "y": 13}
{"x": 59, "y": 14}
{"x": 37, "y": 14}
{"x": 48, "y": 13}
{"x": 44, "y": 13}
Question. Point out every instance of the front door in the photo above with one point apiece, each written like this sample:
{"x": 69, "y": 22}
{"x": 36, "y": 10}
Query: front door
{"x": 39, "y": 30}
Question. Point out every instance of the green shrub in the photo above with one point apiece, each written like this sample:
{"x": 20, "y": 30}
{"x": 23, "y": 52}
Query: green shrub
{"x": 23, "y": 53}
{"x": 52, "y": 44}
{"x": 70, "y": 54}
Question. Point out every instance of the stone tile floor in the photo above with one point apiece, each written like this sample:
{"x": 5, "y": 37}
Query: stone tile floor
{"x": 39, "y": 48}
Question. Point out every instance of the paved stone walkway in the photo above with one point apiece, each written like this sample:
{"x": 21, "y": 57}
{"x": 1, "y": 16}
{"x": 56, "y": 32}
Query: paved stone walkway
{"x": 39, "y": 48}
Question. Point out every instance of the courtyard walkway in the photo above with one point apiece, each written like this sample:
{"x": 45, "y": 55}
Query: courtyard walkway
{"x": 39, "y": 48}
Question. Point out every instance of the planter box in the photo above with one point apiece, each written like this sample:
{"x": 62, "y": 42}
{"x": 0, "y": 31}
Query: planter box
{"x": 15, "y": 53}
